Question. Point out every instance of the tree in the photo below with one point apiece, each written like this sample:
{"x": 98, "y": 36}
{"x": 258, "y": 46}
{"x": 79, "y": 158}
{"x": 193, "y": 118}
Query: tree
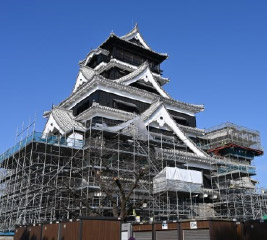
{"x": 119, "y": 187}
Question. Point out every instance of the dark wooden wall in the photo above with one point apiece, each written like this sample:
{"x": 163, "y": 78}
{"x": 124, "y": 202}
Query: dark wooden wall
{"x": 100, "y": 230}
{"x": 111, "y": 230}
{"x": 50, "y": 231}
{"x": 107, "y": 99}
{"x": 70, "y": 231}
{"x": 142, "y": 227}
{"x": 21, "y": 233}
{"x": 255, "y": 230}
{"x": 77, "y": 230}
{"x": 35, "y": 232}
{"x": 221, "y": 230}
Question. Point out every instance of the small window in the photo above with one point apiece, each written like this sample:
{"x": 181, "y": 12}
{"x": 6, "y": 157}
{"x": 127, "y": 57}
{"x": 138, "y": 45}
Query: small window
{"x": 181, "y": 120}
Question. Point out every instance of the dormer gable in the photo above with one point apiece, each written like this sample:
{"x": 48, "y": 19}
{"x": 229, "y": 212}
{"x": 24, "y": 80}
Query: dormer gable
{"x": 135, "y": 37}
{"x": 143, "y": 74}
{"x": 159, "y": 114}
{"x": 62, "y": 121}
{"x": 84, "y": 75}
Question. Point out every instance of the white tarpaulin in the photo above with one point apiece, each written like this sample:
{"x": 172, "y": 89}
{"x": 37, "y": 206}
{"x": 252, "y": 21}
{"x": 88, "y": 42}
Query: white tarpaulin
{"x": 177, "y": 179}
{"x": 192, "y": 176}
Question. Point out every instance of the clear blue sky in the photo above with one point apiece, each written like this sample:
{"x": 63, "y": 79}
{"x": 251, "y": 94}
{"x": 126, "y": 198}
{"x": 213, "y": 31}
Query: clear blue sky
{"x": 217, "y": 55}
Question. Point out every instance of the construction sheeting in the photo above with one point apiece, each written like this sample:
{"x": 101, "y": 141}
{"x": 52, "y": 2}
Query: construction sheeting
{"x": 134, "y": 127}
{"x": 244, "y": 182}
{"x": 183, "y": 175}
{"x": 176, "y": 179}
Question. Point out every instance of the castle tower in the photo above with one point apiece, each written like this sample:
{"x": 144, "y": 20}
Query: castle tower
{"x": 121, "y": 146}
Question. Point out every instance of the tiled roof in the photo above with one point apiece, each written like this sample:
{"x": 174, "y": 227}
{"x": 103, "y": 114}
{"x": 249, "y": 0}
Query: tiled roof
{"x": 133, "y": 74}
{"x": 126, "y": 66}
{"x": 142, "y": 68}
{"x": 97, "y": 107}
{"x": 188, "y": 129}
{"x": 65, "y": 120}
{"x": 153, "y": 107}
{"x": 148, "y": 114}
{"x": 134, "y": 33}
{"x": 98, "y": 79}
{"x": 87, "y": 72}
{"x": 113, "y": 35}
{"x": 94, "y": 52}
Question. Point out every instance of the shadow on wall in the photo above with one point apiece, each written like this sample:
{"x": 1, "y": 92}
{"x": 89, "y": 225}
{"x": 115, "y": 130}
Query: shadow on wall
{"x": 25, "y": 235}
{"x": 224, "y": 231}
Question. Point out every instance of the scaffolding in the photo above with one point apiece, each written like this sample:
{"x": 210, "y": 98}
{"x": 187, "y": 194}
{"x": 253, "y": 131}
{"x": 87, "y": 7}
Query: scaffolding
{"x": 48, "y": 177}
{"x": 226, "y": 134}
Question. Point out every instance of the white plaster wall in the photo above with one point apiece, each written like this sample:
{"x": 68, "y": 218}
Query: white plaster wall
{"x": 50, "y": 126}
{"x": 75, "y": 140}
{"x": 79, "y": 81}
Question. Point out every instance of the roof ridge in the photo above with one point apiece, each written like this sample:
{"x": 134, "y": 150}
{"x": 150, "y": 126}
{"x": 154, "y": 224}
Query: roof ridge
{"x": 92, "y": 52}
{"x": 153, "y": 107}
{"x": 148, "y": 49}
{"x": 83, "y": 70}
{"x": 135, "y": 34}
{"x": 180, "y": 133}
{"x": 100, "y": 78}
{"x": 60, "y": 108}
{"x": 141, "y": 69}
{"x": 129, "y": 67}
{"x": 134, "y": 73}
{"x": 134, "y": 30}
{"x": 65, "y": 119}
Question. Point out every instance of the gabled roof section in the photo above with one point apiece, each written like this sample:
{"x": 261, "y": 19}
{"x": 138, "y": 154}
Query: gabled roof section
{"x": 84, "y": 75}
{"x": 63, "y": 121}
{"x": 143, "y": 73}
{"x": 114, "y": 38}
{"x": 128, "y": 67}
{"x": 153, "y": 107}
{"x": 92, "y": 53}
{"x": 157, "y": 112}
{"x": 135, "y": 34}
{"x": 87, "y": 72}
{"x": 66, "y": 120}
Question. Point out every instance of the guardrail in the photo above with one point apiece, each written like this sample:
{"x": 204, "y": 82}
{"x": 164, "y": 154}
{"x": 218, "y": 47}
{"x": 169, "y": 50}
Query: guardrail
{"x": 38, "y": 137}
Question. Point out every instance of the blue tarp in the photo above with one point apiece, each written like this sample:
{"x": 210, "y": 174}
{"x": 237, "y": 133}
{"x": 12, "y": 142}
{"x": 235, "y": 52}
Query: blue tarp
{"x": 7, "y": 233}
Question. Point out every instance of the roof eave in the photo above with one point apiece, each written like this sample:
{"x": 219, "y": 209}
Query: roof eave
{"x": 100, "y": 79}
{"x": 112, "y": 36}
